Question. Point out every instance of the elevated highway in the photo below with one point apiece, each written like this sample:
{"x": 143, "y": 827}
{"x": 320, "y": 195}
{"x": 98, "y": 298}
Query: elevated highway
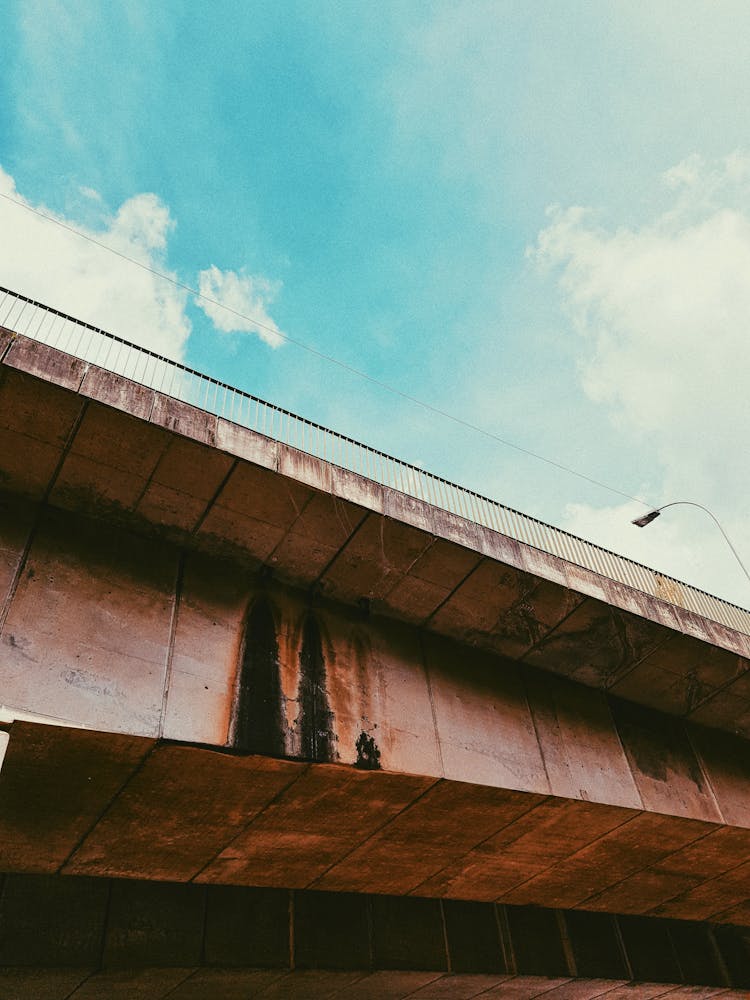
{"x": 275, "y": 666}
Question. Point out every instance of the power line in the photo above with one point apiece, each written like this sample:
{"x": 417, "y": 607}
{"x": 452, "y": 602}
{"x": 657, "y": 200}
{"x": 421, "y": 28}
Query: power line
{"x": 323, "y": 356}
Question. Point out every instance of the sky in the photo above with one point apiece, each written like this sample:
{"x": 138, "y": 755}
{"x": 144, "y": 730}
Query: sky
{"x": 534, "y": 217}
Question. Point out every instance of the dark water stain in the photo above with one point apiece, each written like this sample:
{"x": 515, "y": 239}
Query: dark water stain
{"x": 316, "y": 719}
{"x": 368, "y": 755}
{"x": 259, "y": 727}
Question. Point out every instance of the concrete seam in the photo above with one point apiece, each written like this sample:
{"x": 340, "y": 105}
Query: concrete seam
{"x": 7, "y": 346}
{"x": 484, "y": 840}
{"x": 623, "y": 750}
{"x": 199, "y": 523}
{"x": 567, "y": 945}
{"x": 341, "y": 548}
{"x": 288, "y": 531}
{"x": 375, "y": 833}
{"x": 178, "y": 986}
{"x": 461, "y": 582}
{"x": 90, "y": 829}
{"x": 535, "y": 645}
{"x": 431, "y": 696}
{"x": 150, "y": 477}
{"x": 506, "y": 943}
{"x": 570, "y": 857}
{"x": 446, "y": 946}
{"x": 645, "y": 868}
{"x": 704, "y": 770}
{"x": 76, "y": 988}
{"x": 38, "y": 516}
{"x": 524, "y": 687}
{"x": 717, "y": 691}
{"x": 246, "y": 827}
{"x": 177, "y": 599}
{"x": 720, "y": 960}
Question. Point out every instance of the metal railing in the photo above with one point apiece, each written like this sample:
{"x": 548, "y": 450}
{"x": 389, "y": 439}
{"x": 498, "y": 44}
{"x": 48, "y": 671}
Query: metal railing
{"x": 89, "y": 343}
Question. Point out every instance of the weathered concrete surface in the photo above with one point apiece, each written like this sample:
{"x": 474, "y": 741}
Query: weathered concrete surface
{"x": 129, "y": 938}
{"x": 87, "y": 803}
{"x": 114, "y": 630}
{"x": 90, "y": 441}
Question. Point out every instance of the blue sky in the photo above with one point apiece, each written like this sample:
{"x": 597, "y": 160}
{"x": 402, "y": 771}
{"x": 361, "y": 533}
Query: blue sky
{"x": 535, "y": 216}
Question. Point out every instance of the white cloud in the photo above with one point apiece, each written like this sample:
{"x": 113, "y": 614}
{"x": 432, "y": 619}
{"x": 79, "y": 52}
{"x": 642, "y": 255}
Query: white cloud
{"x": 246, "y": 299}
{"x": 49, "y": 263}
{"x": 663, "y": 312}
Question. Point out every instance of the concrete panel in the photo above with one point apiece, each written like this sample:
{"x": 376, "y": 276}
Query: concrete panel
{"x": 35, "y": 358}
{"x": 183, "y": 419}
{"x": 711, "y": 898}
{"x": 6, "y": 338}
{"x": 357, "y": 489}
{"x": 531, "y": 618}
{"x": 378, "y": 555}
{"x": 254, "y": 511}
{"x": 408, "y": 853}
{"x": 583, "y": 756}
{"x": 483, "y": 720}
{"x": 680, "y": 674}
{"x": 206, "y": 651}
{"x": 35, "y": 422}
{"x": 317, "y": 984}
{"x": 389, "y": 985}
{"x": 728, "y": 709}
{"x": 458, "y": 987}
{"x": 16, "y": 521}
{"x": 40, "y": 984}
{"x": 583, "y": 989}
{"x": 402, "y": 507}
{"x": 720, "y": 850}
{"x": 429, "y": 581}
{"x": 117, "y": 392}
{"x": 87, "y": 633}
{"x": 131, "y": 984}
{"x": 178, "y": 812}
{"x": 525, "y": 987}
{"x": 664, "y": 766}
{"x": 54, "y": 785}
{"x": 377, "y": 685}
{"x": 304, "y": 468}
{"x": 539, "y": 839}
{"x": 225, "y": 984}
{"x": 329, "y": 812}
{"x": 324, "y": 525}
{"x": 587, "y": 645}
{"x": 725, "y": 760}
{"x": 247, "y": 444}
{"x": 182, "y": 485}
{"x": 109, "y": 461}
{"x": 607, "y": 859}
{"x": 483, "y": 598}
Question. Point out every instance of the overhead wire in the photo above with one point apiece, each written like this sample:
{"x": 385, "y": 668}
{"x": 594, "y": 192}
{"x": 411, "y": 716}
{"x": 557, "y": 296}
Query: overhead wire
{"x": 345, "y": 366}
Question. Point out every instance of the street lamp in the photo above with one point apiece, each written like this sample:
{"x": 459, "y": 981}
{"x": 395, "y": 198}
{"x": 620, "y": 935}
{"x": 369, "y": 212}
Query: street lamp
{"x": 645, "y": 519}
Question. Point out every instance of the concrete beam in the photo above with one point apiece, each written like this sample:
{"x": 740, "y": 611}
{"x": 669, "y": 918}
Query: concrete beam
{"x": 92, "y": 442}
{"x": 94, "y": 804}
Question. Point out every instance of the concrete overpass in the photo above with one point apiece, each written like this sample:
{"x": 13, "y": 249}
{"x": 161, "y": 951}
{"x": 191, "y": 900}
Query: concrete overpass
{"x": 289, "y": 718}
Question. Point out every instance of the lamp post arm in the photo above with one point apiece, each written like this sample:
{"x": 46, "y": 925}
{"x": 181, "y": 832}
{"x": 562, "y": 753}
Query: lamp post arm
{"x": 691, "y": 503}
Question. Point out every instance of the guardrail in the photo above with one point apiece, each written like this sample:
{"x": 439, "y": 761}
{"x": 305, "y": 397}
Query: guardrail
{"x": 98, "y": 347}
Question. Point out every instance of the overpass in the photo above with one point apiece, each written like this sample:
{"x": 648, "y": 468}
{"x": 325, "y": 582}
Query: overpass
{"x": 288, "y": 717}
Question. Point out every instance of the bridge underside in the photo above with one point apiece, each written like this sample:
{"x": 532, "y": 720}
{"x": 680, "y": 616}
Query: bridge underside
{"x": 293, "y": 699}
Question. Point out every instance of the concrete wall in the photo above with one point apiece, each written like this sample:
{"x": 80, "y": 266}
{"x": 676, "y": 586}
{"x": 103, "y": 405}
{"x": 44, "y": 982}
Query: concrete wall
{"x": 105, "y": 628}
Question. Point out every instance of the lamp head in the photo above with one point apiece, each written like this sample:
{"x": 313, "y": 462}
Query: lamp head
{"x": 641, "y": 522}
